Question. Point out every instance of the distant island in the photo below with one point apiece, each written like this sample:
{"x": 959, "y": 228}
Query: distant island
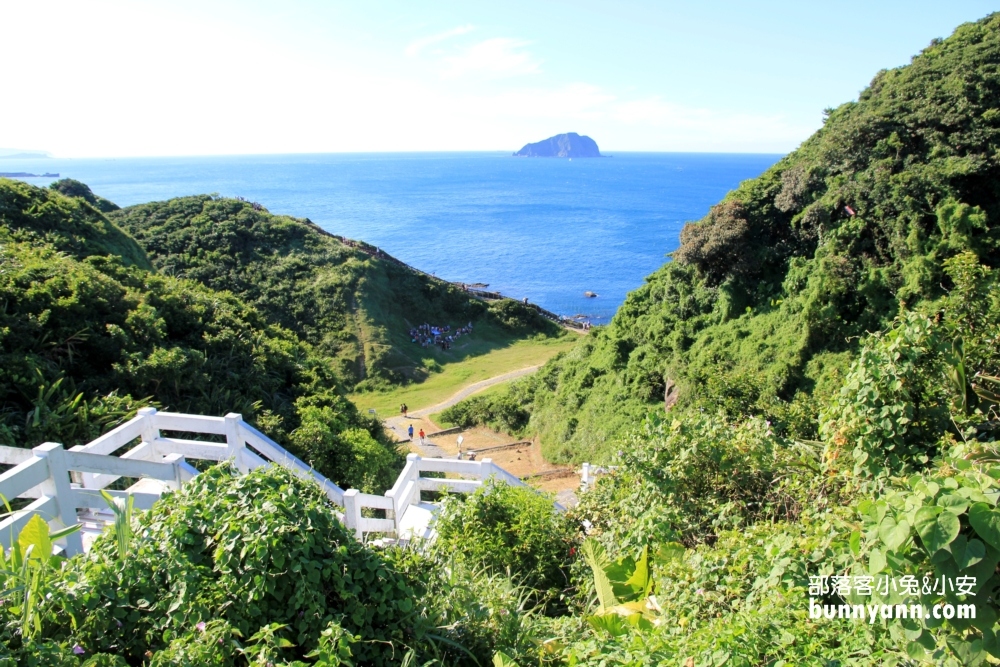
{"x": 570, "y": 145}
{"x": 24, "y": 174}
{"x": 21, "y": 154}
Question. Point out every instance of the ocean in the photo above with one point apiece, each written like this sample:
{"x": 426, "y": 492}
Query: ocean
{"x": 543, "y": 228}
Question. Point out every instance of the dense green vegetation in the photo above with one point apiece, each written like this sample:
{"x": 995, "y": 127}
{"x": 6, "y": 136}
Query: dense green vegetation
{"x": 502, "y": 528}
{"x": 839, "y": 403}
{"x": 350, "y": 303}
{"x": 90, "y": 333}
{"x": 74, "y": 188}
{"x": 738, "y": 516}
{"x": 192, "y": 586}
{"x": 761, "y": 310}
{"x": 239, "y": 311}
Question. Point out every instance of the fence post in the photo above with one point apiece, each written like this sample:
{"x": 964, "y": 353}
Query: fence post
{"x": 352, "y": 512}
{"x": 585, "y": 477}
{"x": 234, "y": 442}
{"x": 65, "y": 500}
{"x": 177, "y": 461}
{"x": 150, "y": 433}
{"x": 389, "y": 514}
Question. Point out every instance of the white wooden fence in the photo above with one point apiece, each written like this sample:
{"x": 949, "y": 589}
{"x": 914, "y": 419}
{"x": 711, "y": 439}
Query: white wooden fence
{"x": 406, "y": 491}
{"x": 589, "y": 473}
{"x": 63, "y": 482}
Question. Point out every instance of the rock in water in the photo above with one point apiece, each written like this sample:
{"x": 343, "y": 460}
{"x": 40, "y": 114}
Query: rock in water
{"x": 562, "y": 145}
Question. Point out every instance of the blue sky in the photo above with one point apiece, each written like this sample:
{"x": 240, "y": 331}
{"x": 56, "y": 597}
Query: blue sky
{"x": 120, "y": 77}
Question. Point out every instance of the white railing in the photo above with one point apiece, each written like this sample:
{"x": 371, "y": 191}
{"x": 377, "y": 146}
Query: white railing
{"x": 61, "y": 482}
{"x": 406, "y": 491}
{"x": 410, "y": 482}
{"x": 589, "y": 473}
{"x": 64, "y": 481}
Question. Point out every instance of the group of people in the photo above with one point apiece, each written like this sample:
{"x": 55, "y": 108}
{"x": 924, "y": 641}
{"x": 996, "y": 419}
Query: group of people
{"x": 254, "y": 205}
{"x": 404, "y": 409}
{"x": 409, "y": 432}
{"x": 427, "y": 335}
{"x": 421, "y": 435}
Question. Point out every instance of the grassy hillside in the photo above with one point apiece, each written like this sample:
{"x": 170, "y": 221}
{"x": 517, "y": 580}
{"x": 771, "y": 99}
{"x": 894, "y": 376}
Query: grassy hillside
{"x": 71, "y": 225}
{"x": 349, "y": 303}
{"x": 88, "y": 333}
{"x": 760, "y": 311}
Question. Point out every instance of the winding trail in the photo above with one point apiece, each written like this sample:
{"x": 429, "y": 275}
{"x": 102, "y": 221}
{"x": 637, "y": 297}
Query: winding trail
{"x": 473, "y": 388}
{"x": 429, "y": 449}
{"x": 398, "y": 423}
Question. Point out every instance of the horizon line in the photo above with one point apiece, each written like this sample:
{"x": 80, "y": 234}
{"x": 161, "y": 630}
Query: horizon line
{"x": 610, "y": 153}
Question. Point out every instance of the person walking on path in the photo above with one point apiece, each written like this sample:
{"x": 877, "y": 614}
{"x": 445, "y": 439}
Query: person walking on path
{"x": 421, "y": 436}
{"x": 403, "y": 409}
{"x": 409, "y": 431}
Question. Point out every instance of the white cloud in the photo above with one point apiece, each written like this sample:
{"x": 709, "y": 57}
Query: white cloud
{"x": 230, "y": 92}
{"x": 499, "y": 56}
{"x": 418, "y": 45}
{"x": 678, "y": 125}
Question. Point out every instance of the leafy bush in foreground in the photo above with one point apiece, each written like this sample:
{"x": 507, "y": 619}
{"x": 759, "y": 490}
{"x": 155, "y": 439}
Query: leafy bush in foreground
{"x": 502, "y": 528}
{"x": 194, "y": 559}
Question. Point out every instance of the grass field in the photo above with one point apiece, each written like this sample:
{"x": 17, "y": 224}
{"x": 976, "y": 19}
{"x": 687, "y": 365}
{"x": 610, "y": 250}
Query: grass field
{"x": 436, "y": 417}
{"x": 454, "y": 376}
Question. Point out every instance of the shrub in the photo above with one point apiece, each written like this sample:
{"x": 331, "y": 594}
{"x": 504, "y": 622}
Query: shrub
{"x": 942, "y": 524}
{"x": 475, "y": 612}
{"x": 718, "y": 244}
{"x": 685, "y": 480}
{"x": 252, "y": 551}
{"x": 502, "y": 528}
{"x": 519, "y": 317}
{"x": 500, "y": 411}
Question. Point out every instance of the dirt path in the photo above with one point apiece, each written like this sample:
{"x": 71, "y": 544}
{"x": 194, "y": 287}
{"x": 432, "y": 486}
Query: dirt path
{"x": 519, "y": 461}
{"x": 473, "y": 388}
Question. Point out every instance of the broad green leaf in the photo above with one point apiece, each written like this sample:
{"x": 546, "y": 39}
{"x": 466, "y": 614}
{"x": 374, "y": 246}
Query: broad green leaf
{"x": 953, "y": 503}
{"x": 36, "y": 534}
{"x": 968, "y": 652}
{"x": 876, "y": 562}
{"x": 597, "y": 559}
{"x": 990, "y": 643}
{"x": 915, "y": 651}
{"x": 967, "y": 552}
{"x": 986, "y": 616}
{"x": 855, "y": 542}
{"x": 501, "y": 659}
{"x": 613, "y": 624}
{"x": 986, "y": 522}
{"x": 893, "y": 534}
{"x": 937, "y": 528}
{"x": 641, "y": 582}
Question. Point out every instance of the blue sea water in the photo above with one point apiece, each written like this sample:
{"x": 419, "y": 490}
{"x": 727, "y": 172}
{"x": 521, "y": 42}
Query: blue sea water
{"x": 546, "y": 229}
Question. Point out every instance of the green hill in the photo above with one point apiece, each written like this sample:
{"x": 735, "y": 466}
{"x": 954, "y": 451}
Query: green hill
{"x": 90, "y": 333}
{"x": 348, "y": 300}
{"x": 761, "y": 308}
{"x": 70, "y": 224}
{"x": 239, "y": 310}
